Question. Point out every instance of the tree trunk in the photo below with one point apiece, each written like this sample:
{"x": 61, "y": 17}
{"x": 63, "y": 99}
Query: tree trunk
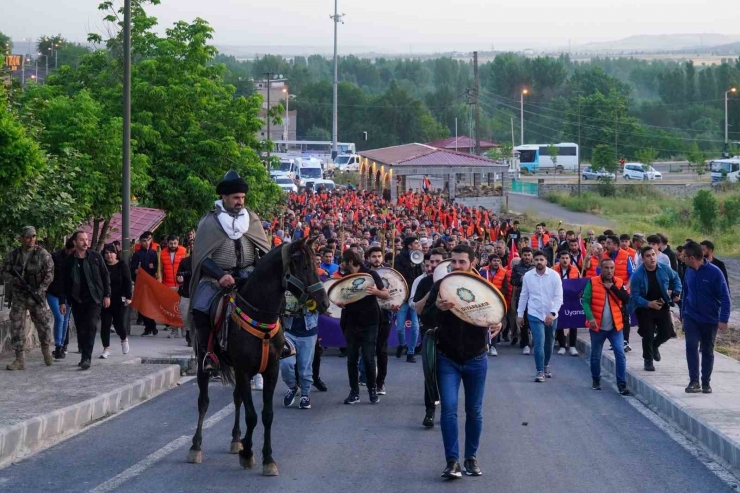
{"x": 103, "y": 233}
{"x": 96, "y": 229}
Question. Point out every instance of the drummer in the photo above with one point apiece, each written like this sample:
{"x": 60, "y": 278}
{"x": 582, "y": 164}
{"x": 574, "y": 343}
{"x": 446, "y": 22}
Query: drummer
{"x": 374, "y": 257}
{"x": 461, "y": 355}
{"x": 360, "y": 322}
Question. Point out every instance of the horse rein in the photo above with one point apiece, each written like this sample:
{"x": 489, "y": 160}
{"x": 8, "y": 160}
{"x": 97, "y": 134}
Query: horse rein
{"x": 289, "y": 278}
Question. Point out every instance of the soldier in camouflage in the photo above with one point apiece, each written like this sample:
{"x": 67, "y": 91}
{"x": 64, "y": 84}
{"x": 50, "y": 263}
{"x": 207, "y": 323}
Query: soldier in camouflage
{"x": 36, "y": 267}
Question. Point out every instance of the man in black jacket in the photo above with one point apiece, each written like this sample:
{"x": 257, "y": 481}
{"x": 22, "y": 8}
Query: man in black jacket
{"x": 87, "y": 291}
{"x": 410, "y": 272}
{"x": 184, "y": 275}
{"x": 461, "y": 356}
{"x": 360, "y": 321}
{"x": 517, "y": 273}
{"x": 53, "y": 294}
{"x": 146, "y": 258}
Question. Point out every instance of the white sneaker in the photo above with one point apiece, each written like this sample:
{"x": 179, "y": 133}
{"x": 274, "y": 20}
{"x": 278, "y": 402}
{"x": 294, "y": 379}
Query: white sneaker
{"x": 170, "y": 335}
{"x": 525, "y": 351}
{"x": 573, "y": 351}
{"x": 257, "y": 382}
{"x": 492, "y": 351}
{"x": 124, "y": 346}
{"x": 176, "y": 333}
{"x": 106, "y": 353}
{"x": 561, "y": 351}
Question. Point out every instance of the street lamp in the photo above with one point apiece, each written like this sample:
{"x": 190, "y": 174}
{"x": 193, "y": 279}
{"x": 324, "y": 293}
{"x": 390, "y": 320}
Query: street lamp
{"x": 286, "y": 125}
{"x": 524, "y": 92}
{"x": 732, "y": 90}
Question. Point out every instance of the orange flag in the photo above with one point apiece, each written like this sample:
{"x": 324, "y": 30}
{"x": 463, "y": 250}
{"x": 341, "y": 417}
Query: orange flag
{"x": 156, "y": 301}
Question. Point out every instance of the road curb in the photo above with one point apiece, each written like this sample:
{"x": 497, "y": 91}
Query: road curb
{"x": 188, "y": 365}
{"x": 722, "y": 448}
{"x": 37, "y": 433}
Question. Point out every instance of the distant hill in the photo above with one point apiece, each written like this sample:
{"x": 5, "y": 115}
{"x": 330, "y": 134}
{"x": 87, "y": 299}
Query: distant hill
{"x": 663, "y": 42}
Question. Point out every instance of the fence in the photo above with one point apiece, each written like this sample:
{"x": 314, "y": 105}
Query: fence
{"x": 524, "y": 187}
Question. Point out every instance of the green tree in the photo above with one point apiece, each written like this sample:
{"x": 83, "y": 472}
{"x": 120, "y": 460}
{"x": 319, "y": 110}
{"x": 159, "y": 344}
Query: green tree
{"x": 646, "y": 156}
{"x": 6, "y": 45}
{"x": 604, "y": 158}
{"x": 696, "y": 159}
{"x": 553, "y": 151}
{"x": 705, "y": 210}
{"x": 318, "y": 133}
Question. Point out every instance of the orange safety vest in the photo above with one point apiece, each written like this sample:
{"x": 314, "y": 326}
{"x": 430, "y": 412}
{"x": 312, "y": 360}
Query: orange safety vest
{"x": 169, "y": 268}
{"x": 572, "y": 271}
{"x": 497, "y": 279}
{"x": 591, "y": 271}
{"x": 630, "y": 251}
{"x": 620, "y": 264}
{"x": 535, "y": 241}
{"x": 598, "y": 298}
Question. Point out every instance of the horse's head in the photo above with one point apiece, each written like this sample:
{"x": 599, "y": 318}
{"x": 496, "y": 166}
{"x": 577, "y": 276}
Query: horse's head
{"x": 300, "y": 276}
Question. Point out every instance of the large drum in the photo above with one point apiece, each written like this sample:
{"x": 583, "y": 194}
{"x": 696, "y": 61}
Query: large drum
{"x": 444, "y": 268}
{"x": 396, "y": 286}
{"x": 291, "y": 304}
{"x": 334, "y": 311}
{"x": 350, "y": 288}
{"x": 476, "y": 300}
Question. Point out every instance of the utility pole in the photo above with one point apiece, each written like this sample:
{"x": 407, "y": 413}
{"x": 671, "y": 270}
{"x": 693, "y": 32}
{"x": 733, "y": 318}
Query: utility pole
{"x": 477, "y": 107}
{"x": 126, "y": 186}
{"x": 579, "y": 143}
{"x": 334, "y": 125}
{"x": 267, "y": 117}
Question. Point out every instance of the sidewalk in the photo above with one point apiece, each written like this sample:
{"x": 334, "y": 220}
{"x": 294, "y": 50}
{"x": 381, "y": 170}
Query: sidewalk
{"x": 42, "y": 405}
{"x": 713, "y": 420}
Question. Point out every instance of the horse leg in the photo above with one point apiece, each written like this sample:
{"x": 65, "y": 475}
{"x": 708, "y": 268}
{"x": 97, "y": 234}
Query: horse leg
{"x": 269, "y": 466}
{"x": 195, "y": 455}
{"x": 236, "y": 432}
{"x": 246, "y": 456}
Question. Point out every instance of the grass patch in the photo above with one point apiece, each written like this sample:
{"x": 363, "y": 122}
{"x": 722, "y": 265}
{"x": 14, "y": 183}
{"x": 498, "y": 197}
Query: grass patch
{"x": 638, "y": 208}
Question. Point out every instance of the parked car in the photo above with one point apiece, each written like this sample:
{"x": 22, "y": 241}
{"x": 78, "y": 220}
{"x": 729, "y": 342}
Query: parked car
{"x": 285, "y": 183}
{"x": 637, "y": 171}
{"x": 588, "y": 173}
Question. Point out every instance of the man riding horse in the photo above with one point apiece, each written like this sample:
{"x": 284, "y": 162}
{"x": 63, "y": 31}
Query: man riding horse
{"x": 230, "y": 240}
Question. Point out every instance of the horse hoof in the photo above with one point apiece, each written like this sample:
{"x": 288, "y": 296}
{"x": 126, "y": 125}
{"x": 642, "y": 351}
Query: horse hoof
{"x": 236, "y": 447}
{"x": 195, "y": 456}
{"x": 270, "y": 469}
{"x": 246, "y": 463}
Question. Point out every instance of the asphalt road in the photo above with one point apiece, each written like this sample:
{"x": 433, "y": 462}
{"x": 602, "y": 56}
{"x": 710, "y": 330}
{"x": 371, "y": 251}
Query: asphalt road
{"x": 575, "y": 440}
{"x": 542, "y": 208}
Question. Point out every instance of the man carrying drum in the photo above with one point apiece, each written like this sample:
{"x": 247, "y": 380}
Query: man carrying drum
{"x": 461, "y": 356}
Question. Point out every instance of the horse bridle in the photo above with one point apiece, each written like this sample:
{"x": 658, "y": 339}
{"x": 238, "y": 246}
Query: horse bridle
{"x": 289, "y": 278}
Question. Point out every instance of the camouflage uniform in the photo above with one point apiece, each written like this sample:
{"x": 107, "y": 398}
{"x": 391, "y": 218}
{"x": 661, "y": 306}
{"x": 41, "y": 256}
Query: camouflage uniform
{"x": 37, "y": 268}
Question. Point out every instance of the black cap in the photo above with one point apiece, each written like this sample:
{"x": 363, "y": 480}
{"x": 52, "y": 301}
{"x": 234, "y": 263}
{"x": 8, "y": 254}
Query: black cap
{"x": 232, "y": 183}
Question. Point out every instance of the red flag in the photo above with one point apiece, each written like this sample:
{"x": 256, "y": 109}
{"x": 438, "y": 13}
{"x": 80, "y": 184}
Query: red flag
{"x": 513, "y": 253}
{"x": 156, "y": 301}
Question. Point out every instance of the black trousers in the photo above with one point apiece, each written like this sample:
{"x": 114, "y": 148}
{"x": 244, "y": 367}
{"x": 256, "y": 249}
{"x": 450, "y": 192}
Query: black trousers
{"x": 149, "y": 325}
{"x": 572, "y": 337}
{"x": 316, "y": 366}
{"x": 381, "y": 350}
{"x": 114, "y": 315}
{"x": 361, "y": 340}
{"x": 655, "y": 327}
{"x": 86, "y": 316}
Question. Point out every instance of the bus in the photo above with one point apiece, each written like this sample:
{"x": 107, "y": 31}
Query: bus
{"x": 725, "y": 169}
{"x": 535, "y": 157}
{"x": 319, "y": 148}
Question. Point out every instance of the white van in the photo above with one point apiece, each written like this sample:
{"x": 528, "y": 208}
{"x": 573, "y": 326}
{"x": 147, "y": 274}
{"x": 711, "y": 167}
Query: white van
{"x": 638, "y": 171}
{"x": 347, "y": 162}
{"x": 308, "y": 169}
{"x": 287, "y": 167}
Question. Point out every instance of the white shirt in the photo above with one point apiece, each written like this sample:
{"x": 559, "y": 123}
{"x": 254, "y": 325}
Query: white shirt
{"x": 541, "y": 294}
{"x": 413, "y": 290}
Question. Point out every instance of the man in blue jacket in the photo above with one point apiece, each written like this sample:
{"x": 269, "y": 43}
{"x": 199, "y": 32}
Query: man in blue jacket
{"x": 705, "y": 309}
{"x": 654, "y": 287}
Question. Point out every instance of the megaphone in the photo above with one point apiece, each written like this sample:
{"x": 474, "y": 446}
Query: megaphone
{"x": 417, "y": 257}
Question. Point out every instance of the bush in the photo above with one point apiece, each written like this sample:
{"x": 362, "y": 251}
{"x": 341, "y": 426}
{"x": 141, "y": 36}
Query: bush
{"x": 731, "y": 211}
{"x": 672, "y": 217}
{"x": 606, "y": 188}
{"x": 705, "y": 210}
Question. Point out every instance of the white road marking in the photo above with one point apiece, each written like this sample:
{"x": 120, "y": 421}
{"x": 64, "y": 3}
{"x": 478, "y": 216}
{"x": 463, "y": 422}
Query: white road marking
{"x": 157, "y": 456}
{"x": 184, "y": 380}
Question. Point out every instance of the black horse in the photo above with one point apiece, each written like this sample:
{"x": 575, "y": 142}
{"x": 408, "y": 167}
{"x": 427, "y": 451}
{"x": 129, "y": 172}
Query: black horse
{"x": 255, "y": 341}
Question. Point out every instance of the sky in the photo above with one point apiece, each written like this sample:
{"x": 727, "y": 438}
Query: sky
{"x": 402, "y": 26}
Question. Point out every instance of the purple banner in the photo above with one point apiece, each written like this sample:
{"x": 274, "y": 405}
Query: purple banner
{"x": 570, "y": 317}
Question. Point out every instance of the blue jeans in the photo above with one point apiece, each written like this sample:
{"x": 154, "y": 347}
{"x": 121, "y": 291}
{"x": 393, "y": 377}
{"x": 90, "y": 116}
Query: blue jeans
{"x": 543, "y": 340}
{"x": 303, "y": 359}
{"x": 699, "y": 337}
{"x": 61, "y": 322}
{"x": 473, "y": 376}
{"x": 616, "y": 338}
{"x": 403, "y": 313}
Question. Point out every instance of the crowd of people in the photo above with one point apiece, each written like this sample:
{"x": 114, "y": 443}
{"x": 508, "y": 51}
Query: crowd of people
{"x": 630, "y": 277}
